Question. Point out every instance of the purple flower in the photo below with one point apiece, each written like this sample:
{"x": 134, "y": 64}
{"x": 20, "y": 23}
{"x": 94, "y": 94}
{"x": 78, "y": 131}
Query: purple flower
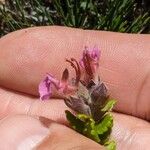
{"x": 45, "y": 87}
{"x": 61, "y": 86}
{"x": 90, "y": 62}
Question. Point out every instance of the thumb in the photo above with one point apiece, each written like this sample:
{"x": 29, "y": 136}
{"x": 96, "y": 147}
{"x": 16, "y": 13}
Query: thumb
{"x": 61, "y": 137}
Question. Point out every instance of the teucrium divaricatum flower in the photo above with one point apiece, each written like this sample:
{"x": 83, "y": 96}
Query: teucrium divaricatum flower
{"x": 86, "y": 95}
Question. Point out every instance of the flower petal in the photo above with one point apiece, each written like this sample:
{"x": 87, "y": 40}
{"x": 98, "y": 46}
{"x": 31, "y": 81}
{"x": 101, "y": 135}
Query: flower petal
{"x": 90, "y": 63}
{"x": 95, "y": 54}
{"x": 65, "y": 76}
{"x": 45, "y": 88}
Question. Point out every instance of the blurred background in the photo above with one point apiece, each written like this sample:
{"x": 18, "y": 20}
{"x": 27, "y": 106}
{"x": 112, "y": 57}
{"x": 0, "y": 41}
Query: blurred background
{"x": 130, "y": 16}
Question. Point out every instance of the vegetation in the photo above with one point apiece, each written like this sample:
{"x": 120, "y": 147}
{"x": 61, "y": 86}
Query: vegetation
{"x": 129, "y": 16}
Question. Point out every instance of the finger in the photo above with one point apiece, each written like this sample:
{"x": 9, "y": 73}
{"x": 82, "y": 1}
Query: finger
{"x": 25, "y": 132}
{"x": 61, "y": 137}
{"x": 124, "y": 64}
{"x": 127, "y": 130}
{"x": 21, "y": 132}
{"x": 15, "y": 103}
{"x": 130, "y": 132}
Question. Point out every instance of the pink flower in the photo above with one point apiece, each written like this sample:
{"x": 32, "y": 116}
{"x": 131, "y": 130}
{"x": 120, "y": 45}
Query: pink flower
{"x": 62, "y": 86}
{"x": 45, "y": 87}
{"x": 90, "y": 61}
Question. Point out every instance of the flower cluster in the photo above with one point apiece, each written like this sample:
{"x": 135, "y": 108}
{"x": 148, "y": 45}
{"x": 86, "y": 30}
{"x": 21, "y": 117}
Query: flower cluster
{"x": 89, "y": 62}
{"x": 85, "y": 95}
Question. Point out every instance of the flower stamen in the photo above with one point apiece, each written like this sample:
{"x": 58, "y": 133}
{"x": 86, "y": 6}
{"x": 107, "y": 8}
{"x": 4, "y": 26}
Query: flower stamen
{"x": 73, "y": 62}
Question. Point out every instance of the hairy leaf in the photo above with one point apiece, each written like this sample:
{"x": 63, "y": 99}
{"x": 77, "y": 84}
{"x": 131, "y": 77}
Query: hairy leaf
{"x": 89, "y": 129}
{"x": 75, "y": 122}
{"x": 110, "y": 145}
{"x": 105, "y": 124}
{"x": 109, "y": 105}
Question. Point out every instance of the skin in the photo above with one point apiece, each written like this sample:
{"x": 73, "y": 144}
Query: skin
{"x": 26, "y": 56}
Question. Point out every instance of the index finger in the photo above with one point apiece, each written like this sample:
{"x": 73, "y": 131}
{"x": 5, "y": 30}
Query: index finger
{"x": 28, "y": 54}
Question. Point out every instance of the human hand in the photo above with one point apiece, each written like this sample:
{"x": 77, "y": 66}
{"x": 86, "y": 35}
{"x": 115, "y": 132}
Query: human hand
{"x": 27, "y": 54}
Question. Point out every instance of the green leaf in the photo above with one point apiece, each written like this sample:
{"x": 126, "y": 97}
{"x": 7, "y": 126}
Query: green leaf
{"x": 93, "y": 135}
{"x": 89, "y": 128}
{"x": 75, "y": 122}
{"x": 110, "y": 145}
{"x": 109, "y": 105}
{"x": 85, "y": 118}
{"x": 105, "y": 124}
